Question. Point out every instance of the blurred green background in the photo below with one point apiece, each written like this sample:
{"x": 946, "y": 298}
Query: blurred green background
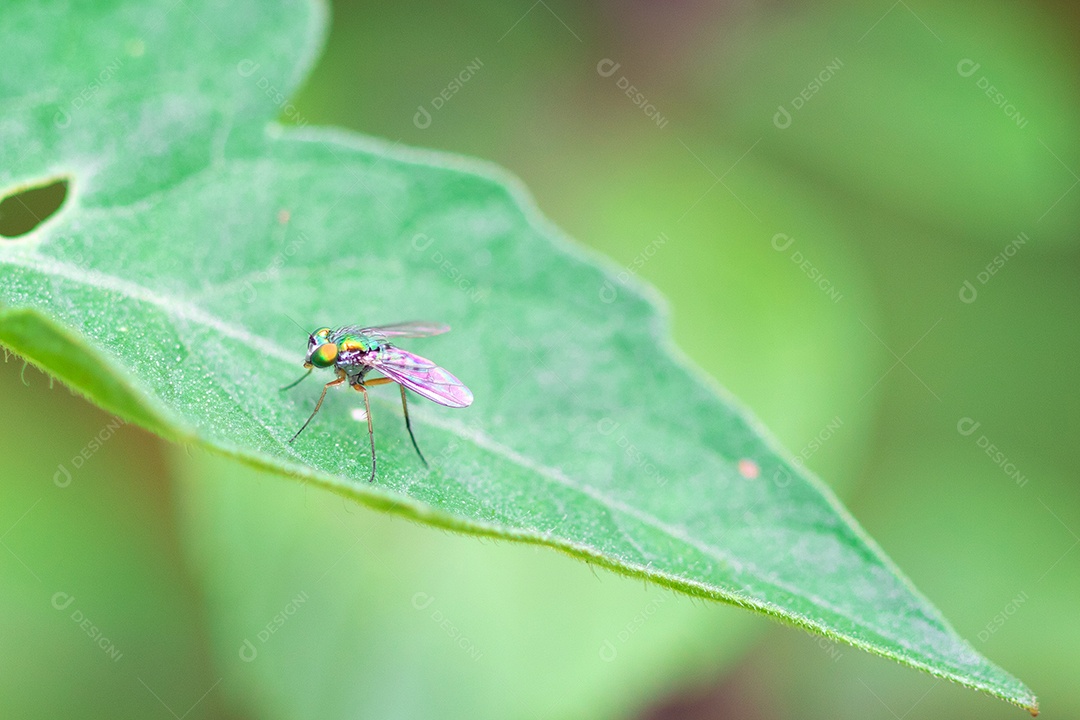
{"x": 864, "y": 218}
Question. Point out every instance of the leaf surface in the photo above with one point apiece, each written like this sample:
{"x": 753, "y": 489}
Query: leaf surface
{"x": 196, "y": 230}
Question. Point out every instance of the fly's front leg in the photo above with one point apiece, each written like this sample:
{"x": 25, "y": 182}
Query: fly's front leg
{"x": 303, "y": 377}
{"x": 341, "y": 379}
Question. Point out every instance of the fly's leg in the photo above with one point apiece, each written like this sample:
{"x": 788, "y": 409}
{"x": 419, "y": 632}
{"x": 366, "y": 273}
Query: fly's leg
{"x": 408, "y": 426}
{"x": 303, "y": 377}
{"x": 370, "y": 430}
{"x": 362, "y": 387}
{"x": 326, "y": 387}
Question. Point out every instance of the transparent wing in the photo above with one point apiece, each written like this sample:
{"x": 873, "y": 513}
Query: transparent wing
{"x": 414, "y": 329}
{"x": 422, "y": 376}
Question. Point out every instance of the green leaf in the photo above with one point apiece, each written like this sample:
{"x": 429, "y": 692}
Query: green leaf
{"x": 195, "y": 227}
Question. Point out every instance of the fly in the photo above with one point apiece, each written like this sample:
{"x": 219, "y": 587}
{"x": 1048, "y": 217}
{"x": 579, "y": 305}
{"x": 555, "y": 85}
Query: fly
{"x": 354, "y": 351}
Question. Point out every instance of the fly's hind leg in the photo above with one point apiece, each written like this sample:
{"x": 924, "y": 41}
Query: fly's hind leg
{"x": 405, "y": 409}
{"x": 408, "y": 426}
{"x": 358, "y": 385}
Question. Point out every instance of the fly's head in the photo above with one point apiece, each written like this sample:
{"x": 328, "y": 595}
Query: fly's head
{"x": 321, "y": 353}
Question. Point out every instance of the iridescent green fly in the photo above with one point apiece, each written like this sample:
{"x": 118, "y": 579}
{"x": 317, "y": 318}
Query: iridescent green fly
{"x": 354, "y": 351}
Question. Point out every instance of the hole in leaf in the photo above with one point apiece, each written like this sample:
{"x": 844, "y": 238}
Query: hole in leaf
{"x": 24, "y": 210}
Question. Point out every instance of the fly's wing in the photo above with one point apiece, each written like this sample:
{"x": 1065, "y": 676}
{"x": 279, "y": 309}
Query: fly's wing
{"x": 422, "y": 376}
{"x": 415, "y": 329}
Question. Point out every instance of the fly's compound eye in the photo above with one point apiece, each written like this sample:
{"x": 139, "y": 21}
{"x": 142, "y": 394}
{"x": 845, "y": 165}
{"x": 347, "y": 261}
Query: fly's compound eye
{"x": 317, "y": 338}
{"x": 324, "y": 355}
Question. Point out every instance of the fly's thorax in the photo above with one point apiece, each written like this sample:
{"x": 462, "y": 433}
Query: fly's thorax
{"x": 358, "y": 350}
{"x": 359, "y": 343}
